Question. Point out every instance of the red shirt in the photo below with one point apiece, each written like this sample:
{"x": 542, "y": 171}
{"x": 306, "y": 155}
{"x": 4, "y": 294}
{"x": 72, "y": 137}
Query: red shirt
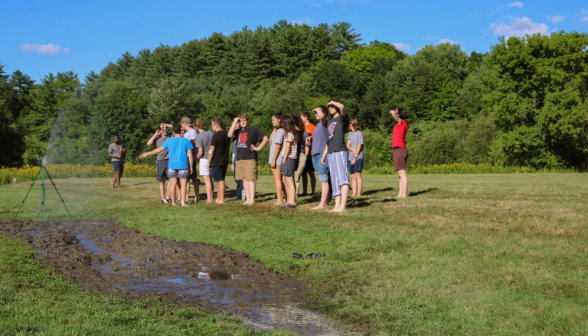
{"x": 398, "y": 134}
{"x": 310, "y": 129}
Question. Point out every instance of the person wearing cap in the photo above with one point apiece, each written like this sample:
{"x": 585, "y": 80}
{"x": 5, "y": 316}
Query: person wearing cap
{"x": 399, "y": 149}
{"x": 191, "y": 134}
{"x": 336, "y": 153}
{"x": 246, "y": 166}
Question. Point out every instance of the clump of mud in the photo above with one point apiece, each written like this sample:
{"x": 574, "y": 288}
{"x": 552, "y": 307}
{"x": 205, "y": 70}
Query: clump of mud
{"x": 117, "y": 260}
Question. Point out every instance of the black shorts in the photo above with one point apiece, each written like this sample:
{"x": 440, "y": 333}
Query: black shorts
{"x": 309, "y": 166}
{"x": 218, "y": 173}
{"x": 194, "y": 174}
{"x": 161, "y": 168}
{"x": 118, "y": 165}
{"x": 289, "y": 168}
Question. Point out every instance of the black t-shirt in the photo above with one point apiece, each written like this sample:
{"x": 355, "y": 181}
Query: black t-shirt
{"x": 246, "y": 138}
{"x": 221, "y": 142}
{"x": 336, "y": 128}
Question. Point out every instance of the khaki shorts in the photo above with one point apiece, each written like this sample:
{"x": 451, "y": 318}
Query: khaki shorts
{"x": 246, "y": 170}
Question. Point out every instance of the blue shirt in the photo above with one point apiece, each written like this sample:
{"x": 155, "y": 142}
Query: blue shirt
{"x": 319, "y": 139}
{"x": 178, "y": 152}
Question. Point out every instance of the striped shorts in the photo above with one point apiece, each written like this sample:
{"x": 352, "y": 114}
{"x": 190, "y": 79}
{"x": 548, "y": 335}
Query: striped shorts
{"x": 338, "y": 171}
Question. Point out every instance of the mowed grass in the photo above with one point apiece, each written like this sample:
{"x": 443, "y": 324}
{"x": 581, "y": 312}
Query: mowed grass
{"x": 465, "y": 254}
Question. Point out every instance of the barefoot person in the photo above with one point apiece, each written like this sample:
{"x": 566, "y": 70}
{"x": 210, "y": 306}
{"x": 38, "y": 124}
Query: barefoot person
{"x": 309, "y": 167}
{"x": 303, "y": 151}
{"x": 247, "y": 137}
{"x": 116, "y": 152}
{"x": 218, "y": 157}
{"x": 191, "y": 134}
{"x": 290, "y": 159}
{"x": 399, "y": 149}
{"x": 319, "y": 138}
{"x": 158, "y": 139}
{"x": 355, "y": 146}
{"x": 336, "y": 153}
{"x": 275, "y": 154}
{"x": 180, "y": 162}
{"x": 203, "y": 145}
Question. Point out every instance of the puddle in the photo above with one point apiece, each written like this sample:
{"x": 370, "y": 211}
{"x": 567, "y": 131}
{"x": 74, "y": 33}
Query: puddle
{"x": 117, "y": 260}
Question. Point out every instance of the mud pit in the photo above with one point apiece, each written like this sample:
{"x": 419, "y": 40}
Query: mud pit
{"x": 116, "y": 260}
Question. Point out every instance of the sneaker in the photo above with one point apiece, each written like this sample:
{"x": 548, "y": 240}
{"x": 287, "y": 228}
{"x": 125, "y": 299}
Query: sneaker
{"x": 315, "y": 256}
{"x": 165, "y": 200}
{"x": 297, "y": 256}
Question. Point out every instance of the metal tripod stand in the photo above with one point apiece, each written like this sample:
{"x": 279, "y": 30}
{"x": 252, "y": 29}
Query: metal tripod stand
{"x": 42, "y": 171}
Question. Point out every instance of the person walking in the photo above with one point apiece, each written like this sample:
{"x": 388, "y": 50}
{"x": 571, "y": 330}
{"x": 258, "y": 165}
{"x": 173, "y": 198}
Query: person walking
{"x": 290, "y": 159}
{"x": 203, "y": 146}
{"x": 399, "y": 151}
{"x": 309, "y": 167}
{"x": 319, "y": 138}
{"x": 158, "y": 139}
{"x": 275, "y": 154}
{"x": 191, "y": 134}
{"x": 355, "y": 147}
{"x": 218, "y": 157}
{"x": 181, "y": 162}
{"x": 247, "y": 137}
{"x": 336, "y": 153}
{"x": 116, "y": 152}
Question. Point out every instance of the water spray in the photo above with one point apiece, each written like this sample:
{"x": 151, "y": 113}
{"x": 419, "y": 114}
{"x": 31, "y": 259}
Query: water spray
{"x": 42, "y": 170}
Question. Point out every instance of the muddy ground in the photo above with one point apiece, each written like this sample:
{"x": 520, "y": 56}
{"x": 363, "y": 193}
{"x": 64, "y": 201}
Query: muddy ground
{"x": 116, "y": 260}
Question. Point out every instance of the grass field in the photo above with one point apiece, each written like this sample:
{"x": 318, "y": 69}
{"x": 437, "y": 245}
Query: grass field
{"x": 465, "y": 254}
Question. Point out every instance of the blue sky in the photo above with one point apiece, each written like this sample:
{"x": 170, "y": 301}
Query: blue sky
{"x": 40, "y": 37}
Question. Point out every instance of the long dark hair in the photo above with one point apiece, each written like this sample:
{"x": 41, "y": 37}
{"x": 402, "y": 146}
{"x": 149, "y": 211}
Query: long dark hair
{"x": 279, "y": 116}
{"x": 289, "y": 126}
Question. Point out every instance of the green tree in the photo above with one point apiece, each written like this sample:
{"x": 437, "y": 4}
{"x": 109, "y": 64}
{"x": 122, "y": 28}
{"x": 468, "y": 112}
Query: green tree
{"x": 361, "y": 59}
{"x": 171, "y": 100}
{"x": 344, "y": 39}
{"x": 540, "y": 102}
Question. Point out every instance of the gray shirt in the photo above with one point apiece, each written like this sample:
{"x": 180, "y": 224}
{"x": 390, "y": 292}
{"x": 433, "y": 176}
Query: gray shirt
{"x": 203, "y": 141}
{"x": 191, "y": 135}
{"x": 277, "y": 139}
{"x": 158, "y": 143}
{"x": 356, "y": 140}
{"x": 115, "y": 150}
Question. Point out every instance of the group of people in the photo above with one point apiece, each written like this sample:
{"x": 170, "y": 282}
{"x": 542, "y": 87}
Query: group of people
{"x": 298, "y": 149}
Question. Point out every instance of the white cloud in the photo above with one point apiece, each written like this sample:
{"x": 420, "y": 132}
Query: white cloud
{"x": 315, "y": 5}
{"x": 306, "y": 20}
{"x": 432, "y": 38}
{"x": 516, "y": 4}
{"x": 402, "y": 47}
{"x": 556, "y": 18}
{"x": 519, "y": 26}
{"x": 44, "y": 49}
{"x": 447, "y": 41}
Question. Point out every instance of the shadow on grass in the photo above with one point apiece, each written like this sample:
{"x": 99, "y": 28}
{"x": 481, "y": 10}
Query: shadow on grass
{"x": 416, "y": 193}
{"x": 360, "y": 202}
{"x": 375, "y": 191}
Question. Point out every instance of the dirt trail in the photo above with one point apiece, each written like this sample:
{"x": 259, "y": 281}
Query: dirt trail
{"x": 117, "y": 260}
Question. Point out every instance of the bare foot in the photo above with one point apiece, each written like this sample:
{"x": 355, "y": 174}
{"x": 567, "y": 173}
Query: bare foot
{"x": 119, "y": 186}
{"x": 318, "y": 207}
{"x": 174, "y": 204}
{"x": 250, "y": 203}
{"x": 333, "y": 210}
{"x": 246, "y": 203}
{"x": 184, "y": 204}
{"x": 112, "y": 184}
{"x": 278, "y": 203}
{"x": 210, "y": 201}
{"x": 219, "y": 203}
{"x": 339, "y": 210}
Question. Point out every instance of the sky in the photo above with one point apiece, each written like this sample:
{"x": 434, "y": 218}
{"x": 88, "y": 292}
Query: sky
{"x": 42, "y": 37}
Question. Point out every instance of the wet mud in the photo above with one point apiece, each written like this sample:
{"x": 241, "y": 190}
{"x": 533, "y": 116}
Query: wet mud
{"x": 116, "y": 260}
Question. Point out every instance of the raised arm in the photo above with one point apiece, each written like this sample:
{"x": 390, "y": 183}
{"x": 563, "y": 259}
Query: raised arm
{"x": 231, "y": 133}
{"x": 150, "y": 141}
{"x": 340, "y": 106}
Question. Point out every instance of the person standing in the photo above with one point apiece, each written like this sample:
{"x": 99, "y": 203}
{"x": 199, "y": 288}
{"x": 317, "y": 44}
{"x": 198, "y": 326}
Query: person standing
{"x": 399, "y": 149}
{"x": 309, "y": 167}
{"x": 355, "y": 147}
{"x": 158, "y": 139}
{"x": 337, "y": 154}
{"x": 303, "y": 151}
{"x": 203, "y": 144}
{"x": 320, "y": 137}
{"x": 247, "y": 137}
{"x": 275, "y": 154}
{"x": 290, "y": 159}
{"x": 116, "y": 152}
{"x": 191, "y": 134}
{"x": 181, "y": 162}
{"x": 239, "y": 190}
{"x": 218, "y": 157}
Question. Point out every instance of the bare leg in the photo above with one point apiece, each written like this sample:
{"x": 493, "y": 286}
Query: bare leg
{"x": 359, "y": 184}
{"x": 183, "y": 186}
{"x": 278, "y": 183}
{"x": 324, "y": 196}
{"x": 196, "y": 190}
{"x": 343, "y": 201}
{"x": 220, "y": 194}
{"x": 312, "y": 181}
{"x": 337, "y": 201}
{"x": 353, "y": 184}
{"x": 117, "y": 178}
{"x": 173, "y": 182}
{"x": 162, "y": 190}
{"x": 246, "y": 189}
{"x": 250, "y": 192}
{"x": 290, "y": 189}
{"x": 403, "y": 182}
{"x": 209, "y": 188}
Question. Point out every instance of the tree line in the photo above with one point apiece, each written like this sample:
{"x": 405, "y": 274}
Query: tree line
{"x": 525, "y": 103}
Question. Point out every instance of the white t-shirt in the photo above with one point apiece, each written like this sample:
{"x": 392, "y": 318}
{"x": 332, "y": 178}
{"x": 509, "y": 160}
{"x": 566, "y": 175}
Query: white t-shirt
{"x": 191, "y": 135}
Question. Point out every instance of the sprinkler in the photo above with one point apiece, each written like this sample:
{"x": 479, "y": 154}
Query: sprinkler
{"x": 42, "y": 171}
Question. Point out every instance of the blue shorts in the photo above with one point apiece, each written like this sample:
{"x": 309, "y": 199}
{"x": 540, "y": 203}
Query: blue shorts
{"x": 118, "y": 165}
{"x": 322, "y": 170}
{"x": 218, "y": 173}
{"x": 356, "y": 168}
{"x": 309, "y": 164}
